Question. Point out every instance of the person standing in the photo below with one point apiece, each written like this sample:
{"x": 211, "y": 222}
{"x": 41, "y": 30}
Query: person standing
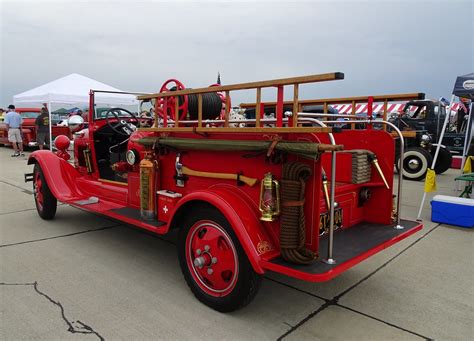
{"x": 13, "y": 121}
{"x": 42, "y": 128}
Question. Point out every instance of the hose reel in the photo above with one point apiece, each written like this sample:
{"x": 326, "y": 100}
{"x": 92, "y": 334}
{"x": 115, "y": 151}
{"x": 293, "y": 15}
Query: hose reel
{"x": 212, "y": 103}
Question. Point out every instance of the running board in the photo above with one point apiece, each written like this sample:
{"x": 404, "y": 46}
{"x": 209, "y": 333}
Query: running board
{"x": 351, "y": 246}
{"x": 129, "y": 213}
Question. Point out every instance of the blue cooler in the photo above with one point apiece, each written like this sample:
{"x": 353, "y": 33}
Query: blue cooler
{"x": 453, "y": 210}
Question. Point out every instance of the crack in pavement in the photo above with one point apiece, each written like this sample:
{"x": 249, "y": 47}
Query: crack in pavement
{"x": 74, "y": 327}
{"x": 24, "y": 190}
{"x": 61, "y": 236}
{"x": 27, "y": 209}
{"x": 335, "y": 300}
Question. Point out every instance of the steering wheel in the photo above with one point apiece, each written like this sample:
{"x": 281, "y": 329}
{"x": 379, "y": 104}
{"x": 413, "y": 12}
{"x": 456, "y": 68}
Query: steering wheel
{"x": 171, "y": 101}
{"x": 123, "y": 126}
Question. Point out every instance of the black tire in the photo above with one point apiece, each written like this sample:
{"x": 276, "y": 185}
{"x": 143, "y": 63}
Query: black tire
{"x": 45, "y": 201}
{"x": 245, "y": 281}
{"x": 444, "y": 160}
{"x": 415, "y": 164}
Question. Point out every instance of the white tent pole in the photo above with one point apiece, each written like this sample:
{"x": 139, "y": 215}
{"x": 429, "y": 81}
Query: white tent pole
{"x": 50, "y": 127}
{"x": 440, "y": 141}
{"x": 467, "y": 142}
{"x": 468, "y": 138}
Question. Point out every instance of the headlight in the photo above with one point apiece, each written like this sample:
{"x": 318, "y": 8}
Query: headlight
{"x": 425, "y": 138}
{"x": 132, "y": 157}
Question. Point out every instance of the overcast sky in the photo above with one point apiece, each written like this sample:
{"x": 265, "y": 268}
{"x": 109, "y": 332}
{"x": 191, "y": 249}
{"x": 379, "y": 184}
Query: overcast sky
{"x": 381, "y": 46}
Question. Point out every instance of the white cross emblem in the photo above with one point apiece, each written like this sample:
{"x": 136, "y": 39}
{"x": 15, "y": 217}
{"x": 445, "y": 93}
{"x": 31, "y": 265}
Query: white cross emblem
{"x": 165, "y": 209}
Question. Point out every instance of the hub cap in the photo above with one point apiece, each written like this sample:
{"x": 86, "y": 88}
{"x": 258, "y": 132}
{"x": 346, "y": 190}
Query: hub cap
{"x": 212, "y": 258}
{"x": 413, "y": 164}
{"x": 38, "y": 191}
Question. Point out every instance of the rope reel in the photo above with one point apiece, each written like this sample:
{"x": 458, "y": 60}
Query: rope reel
{"x": 292, "y": 228}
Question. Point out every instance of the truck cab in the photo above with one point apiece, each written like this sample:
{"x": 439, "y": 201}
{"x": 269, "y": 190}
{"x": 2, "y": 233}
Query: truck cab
{"x": 429, "y": 115}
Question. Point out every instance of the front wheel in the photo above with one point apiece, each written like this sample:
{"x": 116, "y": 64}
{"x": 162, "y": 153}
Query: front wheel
{"x": 213, "y": 262}
{"x": 45, "y": 201}
{"x": 415, "y": 163}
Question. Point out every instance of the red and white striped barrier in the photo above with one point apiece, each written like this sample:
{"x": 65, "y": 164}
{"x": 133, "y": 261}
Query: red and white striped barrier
{"x": 361, "y": 108}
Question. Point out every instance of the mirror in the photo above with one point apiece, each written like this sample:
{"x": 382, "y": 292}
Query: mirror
{"x": 75, "y": 123}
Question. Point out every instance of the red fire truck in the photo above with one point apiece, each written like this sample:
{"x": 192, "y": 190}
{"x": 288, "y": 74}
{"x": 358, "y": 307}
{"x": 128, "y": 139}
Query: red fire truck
{"x": 292, "y": 194}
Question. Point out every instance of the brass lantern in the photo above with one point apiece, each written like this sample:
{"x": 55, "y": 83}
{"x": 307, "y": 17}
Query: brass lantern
{"x": 269, "y": 198}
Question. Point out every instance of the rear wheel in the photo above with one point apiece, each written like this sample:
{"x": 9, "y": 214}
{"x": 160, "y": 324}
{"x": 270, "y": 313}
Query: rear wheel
{"x": 45, "y": 201}
{"x": 213, "y": 262}
{"x": 415, "y": 164}
{"x": 444, "y": 160}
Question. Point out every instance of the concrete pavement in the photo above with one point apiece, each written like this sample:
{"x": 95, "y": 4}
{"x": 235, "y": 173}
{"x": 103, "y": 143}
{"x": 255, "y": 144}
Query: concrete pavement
{"x": 81, "y": 276}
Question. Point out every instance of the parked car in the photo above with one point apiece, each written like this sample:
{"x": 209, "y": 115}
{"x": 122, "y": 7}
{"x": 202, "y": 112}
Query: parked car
{"x": 28, "y": 128}
{"x": 421, "y": 122}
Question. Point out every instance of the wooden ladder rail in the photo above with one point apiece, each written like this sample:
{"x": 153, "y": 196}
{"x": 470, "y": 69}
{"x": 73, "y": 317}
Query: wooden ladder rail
{"x": 326, "y": 102}
{"x": 278, "y": 83}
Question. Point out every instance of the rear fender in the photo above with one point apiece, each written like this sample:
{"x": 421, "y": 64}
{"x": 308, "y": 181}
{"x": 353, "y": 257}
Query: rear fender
{"x": 59, "y": 174}
{"x": 241, "y": 216}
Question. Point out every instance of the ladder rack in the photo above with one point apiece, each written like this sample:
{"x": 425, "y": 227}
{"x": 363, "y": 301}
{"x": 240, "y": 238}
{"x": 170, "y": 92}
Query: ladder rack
{"x": 200, "y": 126}
{"x": 326, "y": 102}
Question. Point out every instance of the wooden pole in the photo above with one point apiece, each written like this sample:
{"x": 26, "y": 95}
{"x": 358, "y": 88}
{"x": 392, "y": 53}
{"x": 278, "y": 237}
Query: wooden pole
{"x": 385, "y": 105}
{"x": 257, "y": 107}
{"x": 176, "y": 111}
{"x": 200, "y": 110}
{"x": 227, "y": 108}
{"x": 353, "y": 112}
{"x": 295, "y": 105}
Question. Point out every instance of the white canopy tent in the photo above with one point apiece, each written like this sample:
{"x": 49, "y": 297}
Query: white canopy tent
{"x": 73, "y": 89}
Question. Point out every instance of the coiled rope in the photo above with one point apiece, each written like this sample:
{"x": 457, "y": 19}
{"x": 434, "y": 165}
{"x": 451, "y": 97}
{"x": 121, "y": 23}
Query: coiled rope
{"x": 292, "y": 228}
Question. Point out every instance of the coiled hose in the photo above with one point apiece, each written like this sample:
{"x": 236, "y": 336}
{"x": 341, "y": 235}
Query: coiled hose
{"x": 292, "y": 228}
{"x": 211, "y": 106}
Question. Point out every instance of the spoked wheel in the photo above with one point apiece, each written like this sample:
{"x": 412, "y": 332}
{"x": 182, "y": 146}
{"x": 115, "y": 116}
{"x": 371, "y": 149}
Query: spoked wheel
{"x": 415, "y": 164}
{"x": 174, "y": 85}
{"x": 213, "y": 262}
{"x": 45, "y": 201}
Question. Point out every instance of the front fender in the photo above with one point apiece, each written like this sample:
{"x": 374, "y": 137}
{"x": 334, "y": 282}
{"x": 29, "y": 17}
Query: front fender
{"x": 241, "y": 216}
{"x": 59, "y": 174}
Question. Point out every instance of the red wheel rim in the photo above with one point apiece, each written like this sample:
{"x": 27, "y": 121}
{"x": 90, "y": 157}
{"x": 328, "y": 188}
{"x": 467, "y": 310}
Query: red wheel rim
{"x": 212, "y": 258}
{"x": 171, "y": 101}
{"x": 38, "y": 191}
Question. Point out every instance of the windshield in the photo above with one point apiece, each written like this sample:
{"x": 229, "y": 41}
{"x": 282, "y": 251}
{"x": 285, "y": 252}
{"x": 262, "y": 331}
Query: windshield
{"x": 29, "y": 114}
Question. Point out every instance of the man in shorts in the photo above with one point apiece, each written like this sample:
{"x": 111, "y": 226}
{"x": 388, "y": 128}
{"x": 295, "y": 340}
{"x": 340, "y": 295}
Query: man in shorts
{"x": 13, "y": 122}
{"x": 42, "y": 128}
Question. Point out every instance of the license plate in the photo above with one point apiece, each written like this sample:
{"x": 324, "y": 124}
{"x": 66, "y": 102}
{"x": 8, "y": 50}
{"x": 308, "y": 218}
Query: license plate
{"x": 324, "y": 221}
